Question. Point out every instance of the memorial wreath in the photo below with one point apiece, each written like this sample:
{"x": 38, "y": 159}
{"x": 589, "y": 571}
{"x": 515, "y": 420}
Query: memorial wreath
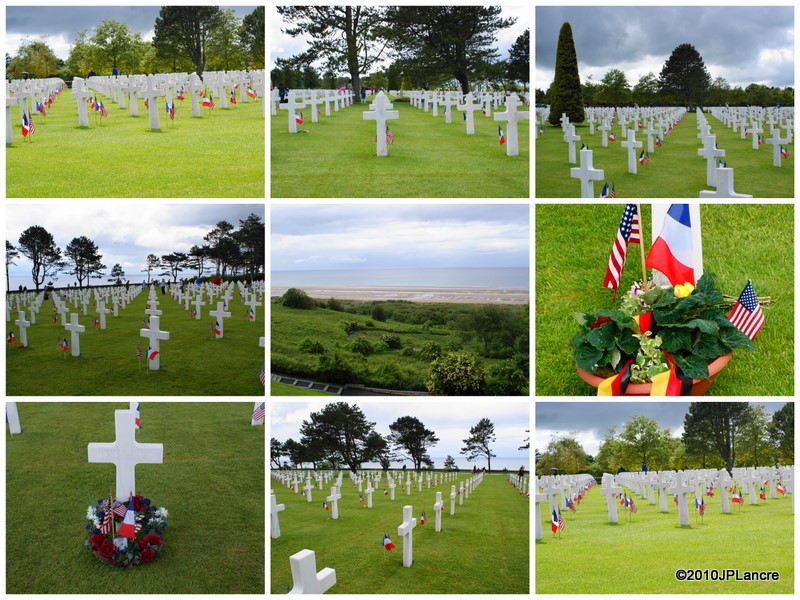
{"x": 126, "y": 535}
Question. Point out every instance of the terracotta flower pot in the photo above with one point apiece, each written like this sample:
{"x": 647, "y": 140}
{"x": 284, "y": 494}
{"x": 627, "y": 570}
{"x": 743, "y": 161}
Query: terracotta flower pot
{"x": 699, "y": 386}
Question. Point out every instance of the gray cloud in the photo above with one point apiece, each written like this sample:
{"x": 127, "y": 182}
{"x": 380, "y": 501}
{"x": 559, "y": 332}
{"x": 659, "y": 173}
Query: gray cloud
{"x": 741, "y": 44}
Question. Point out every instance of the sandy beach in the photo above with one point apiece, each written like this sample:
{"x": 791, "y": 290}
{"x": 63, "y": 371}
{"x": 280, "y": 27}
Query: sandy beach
{"x": 417, "y": 294}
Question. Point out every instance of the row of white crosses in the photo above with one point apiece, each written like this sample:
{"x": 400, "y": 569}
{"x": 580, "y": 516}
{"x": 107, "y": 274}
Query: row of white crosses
{"x": 25, "y": 90}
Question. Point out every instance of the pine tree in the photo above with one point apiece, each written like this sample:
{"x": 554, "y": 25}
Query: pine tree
{"x": 565, "y": 93}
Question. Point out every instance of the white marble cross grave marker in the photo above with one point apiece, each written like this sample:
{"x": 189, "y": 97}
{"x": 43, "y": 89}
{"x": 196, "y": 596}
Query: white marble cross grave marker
{"x": 220, "y": 315}
{"x": 291, "y": 107}
{"x": 754, "y": 130}
{"x": 334, "y": 500}
{"x": 512, "y": 116}
{"x": 252, "y": 303}
{"x": 724, "y": 176}
{"x": 152, "y": 94}
{"x": 610, "y": 489}
{"x": 153, "y": 335}
{"x": 274, "y": 509}
{"x": 538, "y": 499}
{"x": 775, "y": 141}
{"x": 571, "y": 137}
{"x": 369, "y": 491}
{"x": 12, "y": 416}
{"x": 102, "y": 311}
{"x": 710, "y": 152}
{"x": 305, "y": 577}
{"x": 80, "y": 93}
{"x": 587, "y": 174}
{"x": 125, "y": 453}
{"x": 682, "y": 489}
{"x": 195, "y": 85}
{"x": 453, "y": 500}
{"x": 406, "y": 532}
{"x": 605, "y": 128}
{"x": 308, "y": 487}
{"x": 380, "y": 113}
{"x": 23, "y": 328}
{"x": 469, "y": 107}
{"x": 632, "y": 145}
{"x": 75, "y": 330}
{"x": 9, "y": 129}
{"x": 198, "y": 302}
{"x": 437, "y": 512}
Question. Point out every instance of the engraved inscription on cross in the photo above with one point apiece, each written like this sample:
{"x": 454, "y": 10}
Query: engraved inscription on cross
{"x": 125, "y": 453}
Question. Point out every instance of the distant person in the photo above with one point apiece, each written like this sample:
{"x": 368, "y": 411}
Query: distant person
{"x": 114, "y": 71}
{"x": 127, "y": 285}
{"x": 521, "y": 472}
{"x": 91, "y": 73}
{"x": 363, "y": 95}
{"x": 644, "y": 467}
{"x": 620, "y": 470}
{"x": 163, "y": 289}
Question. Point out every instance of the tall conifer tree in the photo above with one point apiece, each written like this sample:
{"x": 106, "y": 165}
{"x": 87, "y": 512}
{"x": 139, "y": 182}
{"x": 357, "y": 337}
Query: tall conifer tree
{"x": 565, "y": 94}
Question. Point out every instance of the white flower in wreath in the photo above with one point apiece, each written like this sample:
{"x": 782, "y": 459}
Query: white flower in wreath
{"x": 96, "y": 522}
{"x": 153, "y": 520}
{"x": 91, "y": 513}
{"x": 162, "y": 512}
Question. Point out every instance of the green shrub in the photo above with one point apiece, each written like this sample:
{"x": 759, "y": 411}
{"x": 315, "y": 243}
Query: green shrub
{"x": 456, "y": 374}
{"x": 369, "y": 323}
{"x": 294, "y": 298}
{"x": 361, "y": 345}
{"x": 348, "y": 326}
{"x": 391, "y": 340}
{"x": 378, "y": 313}
{"x": 506, "y": 379}
{"x": 334, "y": 304}
{"x": 312, "y": 346}
{"x": 430, "y": 351}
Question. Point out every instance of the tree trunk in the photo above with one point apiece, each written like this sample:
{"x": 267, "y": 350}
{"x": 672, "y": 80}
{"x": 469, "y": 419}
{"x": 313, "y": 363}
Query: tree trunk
{"x": 352, "y": 51}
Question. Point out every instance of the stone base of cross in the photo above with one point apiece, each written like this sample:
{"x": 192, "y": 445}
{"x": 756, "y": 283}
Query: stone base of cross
{"x": 305, "y": 577}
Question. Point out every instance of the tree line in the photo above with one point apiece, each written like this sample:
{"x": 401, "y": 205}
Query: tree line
{"x": 716, "y": 435}
{"x": 229, "y": 251}
{"x": 428, "y": 46}
{"x": 684, "y": 80}
{"x": 186, "y": 39}
{"x": 341, "y": 436}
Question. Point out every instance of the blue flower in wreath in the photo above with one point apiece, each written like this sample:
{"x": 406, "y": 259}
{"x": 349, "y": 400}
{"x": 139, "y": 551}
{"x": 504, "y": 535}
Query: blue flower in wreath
{"x": 146, "y": 501}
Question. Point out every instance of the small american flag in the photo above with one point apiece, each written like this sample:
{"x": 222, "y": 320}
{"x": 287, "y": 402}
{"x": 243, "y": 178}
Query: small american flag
{"x": 106, "y": 525}
{"x": 746, "y": 314}
{"x": 139, "y": 355}
{"x": 258, "y": 413}
{"x": 560, "y": 521}
{"x": 263, "y": 376}
{"x": 389, "y": 136}
{"x": 632, "y": 506}
{"x": 120, "y": 509}
{"x": 31, "y": 126}
{"x": 627, "y": 233}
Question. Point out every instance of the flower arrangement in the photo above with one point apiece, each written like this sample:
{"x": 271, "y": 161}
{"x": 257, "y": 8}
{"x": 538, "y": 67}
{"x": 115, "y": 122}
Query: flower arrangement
{"x": 121, "y": 551}
{"x": 654, "y": 329}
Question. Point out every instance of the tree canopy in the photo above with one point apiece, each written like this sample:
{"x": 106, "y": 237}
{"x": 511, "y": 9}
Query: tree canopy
{"x": 478, "y": 444}
{"x": 85, "y": 259}
{"x": 565, "y": 92}
{"x": 185, "y": 31}
{"x": 38, "y": 246}
{"x": 410, "y": 436}
{"x": 685, "y": 75}
{"x": 451, "y": 40}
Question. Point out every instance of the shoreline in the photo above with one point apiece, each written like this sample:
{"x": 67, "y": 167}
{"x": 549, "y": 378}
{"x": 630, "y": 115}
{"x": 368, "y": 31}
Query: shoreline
{"x": 415, "y": 294}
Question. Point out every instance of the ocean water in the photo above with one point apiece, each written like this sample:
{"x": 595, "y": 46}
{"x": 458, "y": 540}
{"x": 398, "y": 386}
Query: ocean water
{"x": 508, "y": 278}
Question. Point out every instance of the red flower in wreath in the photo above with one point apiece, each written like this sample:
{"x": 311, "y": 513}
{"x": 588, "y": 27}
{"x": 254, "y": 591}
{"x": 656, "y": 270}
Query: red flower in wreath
{"x": 153, "y": 539}
{"x": 141, "y": 543}
{"x": 148, "y": 554}
{"x": 106, "y": 550}
{"x": 97, "y": 540}
{"x": 137, "y": 504}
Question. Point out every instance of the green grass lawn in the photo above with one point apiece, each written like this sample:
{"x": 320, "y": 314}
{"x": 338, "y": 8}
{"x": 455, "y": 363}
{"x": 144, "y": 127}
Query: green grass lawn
{"x": 482, "y": 549}
{"x": 675, "y": 169}
{"x": 193, "y": 362}
{"x": 429, "y": 159}
{"x": 640, "y": 555}
{"x": 220, "y": 155}
{"x": 740, "y": 241}
{"x": 277, "y": 388}
{"x": 211, "y": 481}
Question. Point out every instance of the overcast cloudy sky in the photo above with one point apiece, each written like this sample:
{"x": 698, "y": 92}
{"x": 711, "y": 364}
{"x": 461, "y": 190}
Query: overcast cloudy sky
{"x": 284, "y": 46}
{"x": 742, "y": 44}
{"x": 124, "y": 233}
{"x": 343, "y": 236}
{"x": 450, "y": 421}
{"x": 591, "y": 420}
{"x": 62, "y": 23}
